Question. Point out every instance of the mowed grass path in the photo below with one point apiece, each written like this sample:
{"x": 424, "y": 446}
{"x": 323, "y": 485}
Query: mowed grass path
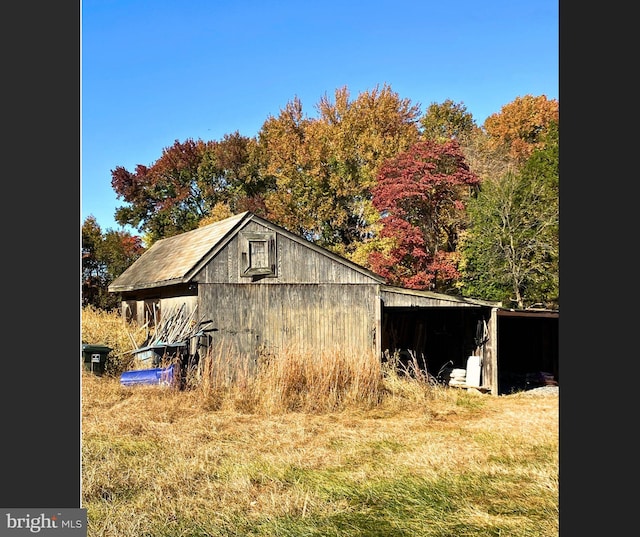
{"x": 160, "y": 462}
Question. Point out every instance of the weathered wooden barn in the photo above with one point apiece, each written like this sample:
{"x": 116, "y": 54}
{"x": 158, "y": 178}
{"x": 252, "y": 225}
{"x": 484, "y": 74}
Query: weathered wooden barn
{"x": 266, "y": 290}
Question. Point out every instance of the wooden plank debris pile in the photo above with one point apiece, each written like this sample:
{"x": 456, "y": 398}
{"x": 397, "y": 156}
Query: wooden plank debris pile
{"x": 173, "y": 336}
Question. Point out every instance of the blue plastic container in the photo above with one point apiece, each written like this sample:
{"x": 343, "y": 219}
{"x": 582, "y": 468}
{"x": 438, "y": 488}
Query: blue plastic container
{"x": 159, "y": 375}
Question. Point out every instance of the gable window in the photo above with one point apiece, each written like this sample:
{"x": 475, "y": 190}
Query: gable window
{"x": 257, "y": 254}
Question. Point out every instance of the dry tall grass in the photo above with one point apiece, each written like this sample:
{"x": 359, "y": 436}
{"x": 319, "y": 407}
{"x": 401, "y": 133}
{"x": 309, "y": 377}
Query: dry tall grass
{"x": 335, "y": 444}
{"x": 291, "y": 381}
{"x": 161, "y": 462}
{"x": 109, "y": 328}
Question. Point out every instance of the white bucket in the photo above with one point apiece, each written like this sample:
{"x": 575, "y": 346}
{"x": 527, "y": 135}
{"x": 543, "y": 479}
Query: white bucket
{"x": 474, "y": 369}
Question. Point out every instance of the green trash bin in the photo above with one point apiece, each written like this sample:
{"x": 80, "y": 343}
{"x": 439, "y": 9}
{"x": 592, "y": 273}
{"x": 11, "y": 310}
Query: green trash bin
{"x": 95, "y": 358}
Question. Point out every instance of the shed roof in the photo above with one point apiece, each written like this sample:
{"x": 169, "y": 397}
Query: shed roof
{"x": 176, "y": 259}
{"x": 402, "y": 297}
{"x": 169, "y": 260}
{"x": 531, "y": 313}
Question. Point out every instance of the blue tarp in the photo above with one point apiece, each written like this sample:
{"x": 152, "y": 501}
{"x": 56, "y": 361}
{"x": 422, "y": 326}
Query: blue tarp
{"x": 158, "y": 375}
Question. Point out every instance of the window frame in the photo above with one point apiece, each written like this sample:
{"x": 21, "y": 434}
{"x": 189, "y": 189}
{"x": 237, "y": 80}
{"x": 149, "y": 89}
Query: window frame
{"x": 247, "y": 267}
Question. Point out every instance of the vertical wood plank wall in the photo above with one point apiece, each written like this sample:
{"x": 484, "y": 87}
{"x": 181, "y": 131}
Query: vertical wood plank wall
{"x": 296, "y": 317}
{"x": 296, "y": 263}
{"x": 315, "y": 303}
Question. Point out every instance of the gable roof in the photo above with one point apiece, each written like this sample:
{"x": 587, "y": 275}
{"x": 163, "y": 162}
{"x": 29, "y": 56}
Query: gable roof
{"x": 177, "y": 259}
{"x": 169, "y": 260}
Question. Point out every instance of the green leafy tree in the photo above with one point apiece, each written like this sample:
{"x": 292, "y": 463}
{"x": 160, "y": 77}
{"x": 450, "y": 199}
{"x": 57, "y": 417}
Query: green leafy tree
{"x": 421, "y": 194}
{"x": 104, "y": 258}
{"x": 94, "y": 277}
{"x": 510, "y": 251}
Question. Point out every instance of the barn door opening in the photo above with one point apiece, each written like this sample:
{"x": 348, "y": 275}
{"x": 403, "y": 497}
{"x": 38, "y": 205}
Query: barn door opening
{"x": 436, "y": 336}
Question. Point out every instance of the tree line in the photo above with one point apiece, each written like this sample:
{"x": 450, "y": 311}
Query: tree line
{"x": 428, "y": 201}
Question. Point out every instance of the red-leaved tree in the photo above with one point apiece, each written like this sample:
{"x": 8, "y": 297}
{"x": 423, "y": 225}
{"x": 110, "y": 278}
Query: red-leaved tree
{"x": 191, "y": 181}
{"x": 420, "y": 195}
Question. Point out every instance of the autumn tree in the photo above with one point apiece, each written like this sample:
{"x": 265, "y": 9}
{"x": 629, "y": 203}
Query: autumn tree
{"x": 485, "y": 158}
{"x": 241, "y": 187}
{"x": 284, "y": 157}
{"x": 181, "y": 188}
{"x": 451, "y": 121}
{"x": 167, "y": 197}
{"x": 510, "y": 251}
{"x": 324, "y": 167}
{"x": 358, "y": 136}
{"x": 104, "y": 258}
{"x": 521, "y": 125}
{"x": 447, "y": 121}
{"x": 420, "y": 194}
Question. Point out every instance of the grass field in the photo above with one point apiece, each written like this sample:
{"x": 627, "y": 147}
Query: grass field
{"x": 415, "y": 460}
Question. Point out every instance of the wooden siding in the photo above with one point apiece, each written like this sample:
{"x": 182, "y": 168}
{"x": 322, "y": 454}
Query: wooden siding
{"x": 408, "y": 298}
{"x": 282, "y": 318}
{"x": 296, "y": 263}
{"x": 175, "y": 303}
{"x": 169, "y": 298}
{"x": 490, "y": 355}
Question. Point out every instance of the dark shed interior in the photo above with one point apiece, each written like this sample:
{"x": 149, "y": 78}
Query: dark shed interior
{"x": 527, "y": 346}
{"x": 434, "y": 335}
{"x": 528, "y": 350}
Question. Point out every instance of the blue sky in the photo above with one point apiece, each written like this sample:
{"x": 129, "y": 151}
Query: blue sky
{"x": 157, "y": 71}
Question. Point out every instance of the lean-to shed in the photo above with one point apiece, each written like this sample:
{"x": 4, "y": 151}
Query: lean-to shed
{"x": 266, "y": 290}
